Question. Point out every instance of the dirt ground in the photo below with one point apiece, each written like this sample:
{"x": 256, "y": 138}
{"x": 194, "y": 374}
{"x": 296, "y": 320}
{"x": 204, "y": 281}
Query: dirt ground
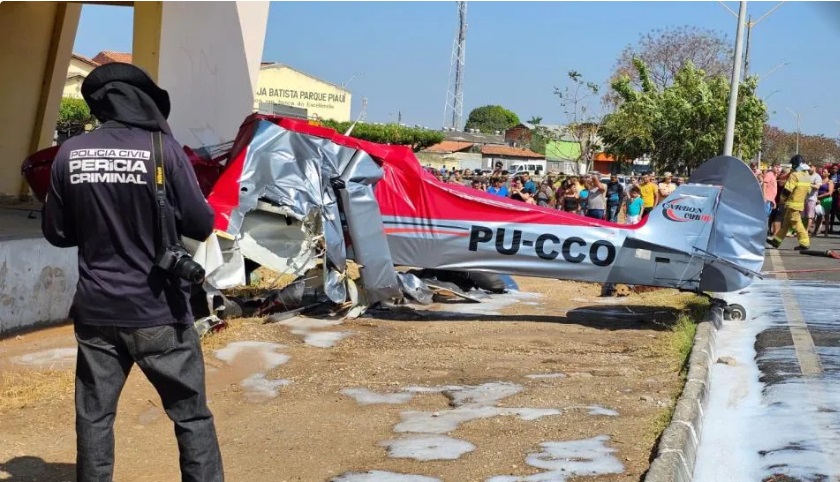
{"x": 598, "y": 356}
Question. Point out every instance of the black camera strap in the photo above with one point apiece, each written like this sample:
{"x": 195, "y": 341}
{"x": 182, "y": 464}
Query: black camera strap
{"x": 160, "y": 192}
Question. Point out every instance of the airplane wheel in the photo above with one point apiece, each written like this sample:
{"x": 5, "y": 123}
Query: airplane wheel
{"x": 737, "y": 313}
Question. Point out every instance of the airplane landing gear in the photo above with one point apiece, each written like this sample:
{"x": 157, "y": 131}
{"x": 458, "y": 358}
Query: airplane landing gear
{"x": 731, "y": 312}
{"x": 735, "y": 312}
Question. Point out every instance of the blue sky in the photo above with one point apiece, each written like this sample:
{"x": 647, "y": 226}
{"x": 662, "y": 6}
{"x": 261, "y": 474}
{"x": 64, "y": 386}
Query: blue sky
{"x": 516, "y": 52}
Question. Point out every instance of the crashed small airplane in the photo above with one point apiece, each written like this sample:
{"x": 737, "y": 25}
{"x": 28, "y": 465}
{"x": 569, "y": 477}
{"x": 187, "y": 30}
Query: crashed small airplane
{"x": 293, "y": 197}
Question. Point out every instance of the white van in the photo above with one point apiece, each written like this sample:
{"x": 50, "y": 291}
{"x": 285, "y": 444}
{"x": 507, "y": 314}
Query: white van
{"x": 532, "y": 167}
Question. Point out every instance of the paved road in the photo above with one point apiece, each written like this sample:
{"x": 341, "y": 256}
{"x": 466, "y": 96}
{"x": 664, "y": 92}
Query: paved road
{"x": 774, "y": 408}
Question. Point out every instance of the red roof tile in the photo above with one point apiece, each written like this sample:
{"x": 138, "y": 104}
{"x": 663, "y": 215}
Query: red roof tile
{"x": 107, "y": 56}
{"x": 85, "y": 60}
{"x": 447, "y": 147}
{"x": 603, "y": 157}
{"x": 492, "y": 150}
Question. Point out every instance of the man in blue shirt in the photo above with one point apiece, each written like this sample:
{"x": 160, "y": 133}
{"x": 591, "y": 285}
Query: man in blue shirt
{"x": 615, "y": 198}
{"x": 528, "y": 185}
{"x": 498, "y": 188}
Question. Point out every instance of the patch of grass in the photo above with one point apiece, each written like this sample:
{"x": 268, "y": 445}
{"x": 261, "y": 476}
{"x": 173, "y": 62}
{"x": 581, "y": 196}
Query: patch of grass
{"x": 682, "y": 340}
{"x": 675, "y": 347}
{"x": 22, "y": 389}
{"x": 660, "y": 423}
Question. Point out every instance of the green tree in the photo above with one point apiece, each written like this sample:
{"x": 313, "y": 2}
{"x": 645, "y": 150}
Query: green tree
{"x": 417, "y": 139}
{"x": 684, "y": 124}
{"x": 582, "y": 124}
{"x": 73, "y": 116}
{"x": 491, "y": 118}
{"x": 666, "y": 52}
{"x": 779, "y": 145}
{"x": 535, "y": 120}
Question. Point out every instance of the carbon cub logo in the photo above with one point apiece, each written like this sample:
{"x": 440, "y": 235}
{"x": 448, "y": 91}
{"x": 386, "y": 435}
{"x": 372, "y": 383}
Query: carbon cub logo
{"x": 679, "y": 211}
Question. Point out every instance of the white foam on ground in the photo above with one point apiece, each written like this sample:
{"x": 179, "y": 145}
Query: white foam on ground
{"x": 260, "y": 387}
{"x": 599, "y": 410}
{"x": 795, "y": 422}
{"x": 486, "y": 394}
{"x": 492, "y": 305}
{"x": 424, "y": 448}
{"x": 380, "y": 476}
{"x": 55, "y": 357}
{"x": 363, "y": 396}
{"x": 265, "y": 350}
{"x": 445, "y": 388}
{"x": 471, "y": 403}
{"x": 306, "y": 324}
{"x": 444, "y": 421}
{"x": 540, "y": 376}
{"x": 480, "y": 402}
{"x": 324, "y": 339}
{"x": 529, "y": 414}
{"x": 564, "y": 460}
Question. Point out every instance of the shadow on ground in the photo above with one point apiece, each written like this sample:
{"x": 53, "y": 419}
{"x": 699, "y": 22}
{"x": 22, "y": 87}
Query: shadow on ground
{"x": 612, "y": 317}
{"x": 35, "y": 469}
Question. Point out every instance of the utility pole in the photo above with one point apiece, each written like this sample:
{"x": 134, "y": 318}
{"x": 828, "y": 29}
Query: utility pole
{"x": 735, "y": 81}
{"x": 750, "y": 25}
{"x": 798, "y": 117}
{"x": 747, "y": 49}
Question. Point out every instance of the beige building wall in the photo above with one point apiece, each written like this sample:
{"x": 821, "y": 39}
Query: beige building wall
{"x": 206, "y": 54}
{"x": 36, "y": 41}
{"x": 79, "y": 67}
{"x": 209, "y": 61}
{"x": 281, "y": 84}
{"x": 73, "y": 87}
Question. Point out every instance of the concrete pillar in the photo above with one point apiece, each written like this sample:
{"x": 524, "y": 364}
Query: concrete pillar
{"x": 36, "y": 42}
{"x": 146, "y": 43}
{"x": 208, "y": 58}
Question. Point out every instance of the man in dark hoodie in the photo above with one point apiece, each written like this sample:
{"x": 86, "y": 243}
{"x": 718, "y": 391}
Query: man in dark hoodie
{"x": 126, "y": 310}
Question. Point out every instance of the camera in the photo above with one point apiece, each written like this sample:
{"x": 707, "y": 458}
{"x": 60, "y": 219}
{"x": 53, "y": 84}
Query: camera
{"x": 177, "y": 260}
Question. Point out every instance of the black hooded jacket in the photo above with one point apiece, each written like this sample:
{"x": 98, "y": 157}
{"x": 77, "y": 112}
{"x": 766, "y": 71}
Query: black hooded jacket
{"x": 102, "y": 200}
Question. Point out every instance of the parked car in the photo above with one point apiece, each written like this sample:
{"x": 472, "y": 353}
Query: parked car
{"x": 622, "y": 179}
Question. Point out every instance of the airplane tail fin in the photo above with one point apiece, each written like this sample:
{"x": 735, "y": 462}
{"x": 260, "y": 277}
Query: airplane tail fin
{"x": 713, "y": 226}
{"x": 740, "y": 225}
{"x": 666, "y": 247}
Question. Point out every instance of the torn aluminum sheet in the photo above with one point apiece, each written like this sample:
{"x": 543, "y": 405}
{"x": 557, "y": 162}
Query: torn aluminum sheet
{"x": 334, "y": 286}
{"x": 291, "y": 250}
{"x": 364, "y": 223}
{"x": 285, "y": 212}
{"x": 415, "y": 289}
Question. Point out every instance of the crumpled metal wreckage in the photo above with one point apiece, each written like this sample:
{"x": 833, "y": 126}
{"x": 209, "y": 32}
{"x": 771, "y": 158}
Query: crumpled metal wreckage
{"x": 292, "y": 202}
{"x": 302, "y": 200}
{"x": 294, "y": 196}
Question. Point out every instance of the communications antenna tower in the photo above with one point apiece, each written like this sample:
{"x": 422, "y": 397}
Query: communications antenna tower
{"x": 453, "y": 110}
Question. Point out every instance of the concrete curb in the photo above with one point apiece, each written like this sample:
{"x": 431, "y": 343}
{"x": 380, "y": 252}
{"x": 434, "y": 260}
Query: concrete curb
{"x": 677, "y": 449}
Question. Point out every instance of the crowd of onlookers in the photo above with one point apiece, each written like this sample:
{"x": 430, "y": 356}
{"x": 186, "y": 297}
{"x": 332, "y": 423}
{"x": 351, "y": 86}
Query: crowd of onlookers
{"x": 585, "y": 195}
{"x": 822, "y": 206}
{"x": 631, "y": 201}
